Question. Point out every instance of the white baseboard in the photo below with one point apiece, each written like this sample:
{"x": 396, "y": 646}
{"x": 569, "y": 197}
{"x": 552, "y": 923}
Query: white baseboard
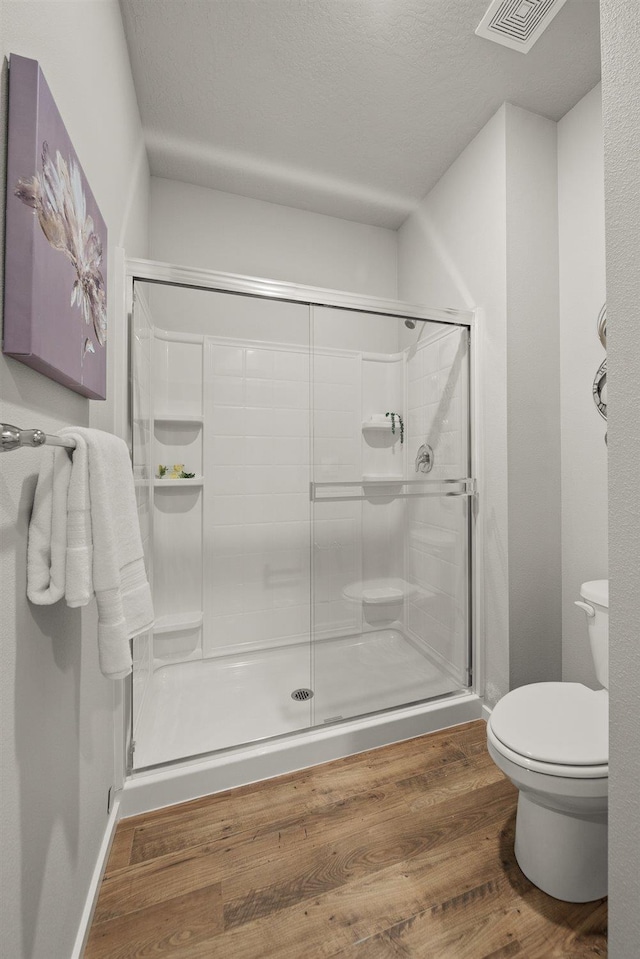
{"x": 96, "y": 879}
{"x": 486, "y": 712}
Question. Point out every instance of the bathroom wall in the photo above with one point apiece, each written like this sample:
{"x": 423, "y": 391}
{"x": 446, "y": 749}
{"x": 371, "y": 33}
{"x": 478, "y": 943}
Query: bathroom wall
{"x": 621, "y": 122}
{"x": 533, "y": 399}
{"x": 197, "y": 227}
{"x": 582, "y": 295}
{"x": 452, "y": 252}
{"x": 57, "y": 722}
{"x": 482, "y": 237}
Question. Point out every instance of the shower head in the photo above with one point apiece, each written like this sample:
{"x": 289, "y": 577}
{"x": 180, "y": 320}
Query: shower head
{"x": 410, "y": 324}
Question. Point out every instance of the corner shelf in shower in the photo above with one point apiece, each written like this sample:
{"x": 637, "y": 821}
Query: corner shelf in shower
{"x": 170, "y": 418}
{"x": 194, "y": 481}
{"x": 378, "y": 592}
{"x": 393, "y": 478}
{"x": 176, "y": 622}
{"x": 377, "y": 425}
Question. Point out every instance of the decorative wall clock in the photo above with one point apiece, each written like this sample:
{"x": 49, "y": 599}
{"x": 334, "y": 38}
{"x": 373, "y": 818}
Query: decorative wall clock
{"x": 599, "y": 389}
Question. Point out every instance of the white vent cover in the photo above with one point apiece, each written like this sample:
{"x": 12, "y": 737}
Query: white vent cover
{"x": 518, "y": 23}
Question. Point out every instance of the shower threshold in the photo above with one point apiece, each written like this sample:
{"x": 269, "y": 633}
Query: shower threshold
{"x": 201, "y": 706}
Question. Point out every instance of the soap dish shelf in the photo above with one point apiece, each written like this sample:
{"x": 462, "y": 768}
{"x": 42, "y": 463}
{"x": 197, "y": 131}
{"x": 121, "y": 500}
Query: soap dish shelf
{"x": 171, "y": 419}
{"x": 192, "y": 481}
{"x": 177, "y": 622}
{"x": 378, "y": 592}
{"x": 383, "y": 479}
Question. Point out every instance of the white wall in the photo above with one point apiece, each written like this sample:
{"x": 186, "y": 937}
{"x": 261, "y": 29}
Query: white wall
{"x": 485, "y": 236}
{"x": 582, "y": 294}
{"x": 621, "y": 122}
{"x": 533, "y": 399}
{"x": 452, "y": 252}
{"x": 193, "y": 226}
{"x": 57, "y": 711}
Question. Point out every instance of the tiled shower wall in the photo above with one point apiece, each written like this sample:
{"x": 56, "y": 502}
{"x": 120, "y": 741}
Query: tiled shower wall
{"x": 437, "y": 528}
{"x": 259, "y": 575}
{"x": 256, "y": 518}
{"x": 384, "y": 454}
{"x": 258, "y": 512}
{"x": 178, "y": 512}
{"x": 337, "y": 457}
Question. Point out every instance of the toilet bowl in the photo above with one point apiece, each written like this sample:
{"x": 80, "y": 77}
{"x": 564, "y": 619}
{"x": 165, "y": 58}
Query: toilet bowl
{"x": 551, "y": 740}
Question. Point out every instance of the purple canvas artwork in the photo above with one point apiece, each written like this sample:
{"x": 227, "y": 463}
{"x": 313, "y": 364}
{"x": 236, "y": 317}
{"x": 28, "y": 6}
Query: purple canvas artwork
{"x": 55, "y": 299}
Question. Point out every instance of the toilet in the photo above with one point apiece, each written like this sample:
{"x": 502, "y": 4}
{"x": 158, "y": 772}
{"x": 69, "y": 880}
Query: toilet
{"x": 551, "y": 740}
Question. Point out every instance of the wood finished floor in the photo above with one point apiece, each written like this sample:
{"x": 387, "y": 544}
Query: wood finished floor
{"x": 404, "y": 851}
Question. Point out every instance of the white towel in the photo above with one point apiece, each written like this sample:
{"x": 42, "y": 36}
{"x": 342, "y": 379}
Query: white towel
{"x": 104, "y": 553}
{"x": 47, "y": 543}
{"x": 79, "y": 558}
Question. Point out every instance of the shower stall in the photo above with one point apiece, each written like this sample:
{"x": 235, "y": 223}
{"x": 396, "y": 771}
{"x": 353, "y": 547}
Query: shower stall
{"x": 304, "y": 467}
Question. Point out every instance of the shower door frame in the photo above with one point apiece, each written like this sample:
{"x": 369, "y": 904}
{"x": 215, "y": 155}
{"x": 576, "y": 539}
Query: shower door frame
{"x": 161, "y": 273}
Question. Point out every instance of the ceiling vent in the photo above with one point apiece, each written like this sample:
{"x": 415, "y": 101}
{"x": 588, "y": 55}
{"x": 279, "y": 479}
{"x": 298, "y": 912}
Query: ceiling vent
{"x": 518, "y": 23}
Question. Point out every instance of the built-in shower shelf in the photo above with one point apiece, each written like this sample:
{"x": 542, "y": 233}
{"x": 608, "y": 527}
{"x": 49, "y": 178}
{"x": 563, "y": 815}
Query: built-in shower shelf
{"x": 383, "y": 478}
{"x": 176, "y": 622}
{"x": 377, "y": 425}
{"x": 195, "y": 481}
{"x": 171, "y": 418}
{"x": 378, "y": 592}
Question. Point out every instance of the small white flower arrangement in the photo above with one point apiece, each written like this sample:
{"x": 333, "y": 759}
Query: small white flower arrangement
{"x": 177, "y": 471}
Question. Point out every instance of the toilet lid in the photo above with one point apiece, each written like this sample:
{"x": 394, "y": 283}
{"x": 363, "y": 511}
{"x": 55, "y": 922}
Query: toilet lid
{"x": 597, "y": 591}
{"x": 563, "y": 723}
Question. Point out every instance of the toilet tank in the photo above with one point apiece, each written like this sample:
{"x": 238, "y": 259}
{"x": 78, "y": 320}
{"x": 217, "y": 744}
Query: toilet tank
{"x": 596, "y": 595}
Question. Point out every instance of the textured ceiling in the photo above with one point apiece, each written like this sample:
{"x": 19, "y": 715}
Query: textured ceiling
{"x": 353, "y": 108}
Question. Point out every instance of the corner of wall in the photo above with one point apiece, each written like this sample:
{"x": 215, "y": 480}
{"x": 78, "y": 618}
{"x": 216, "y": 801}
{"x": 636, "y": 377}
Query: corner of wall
{"x": 582, "y": 293}
{"x": 621, "y": 120}
{"x": 533, "y": 398}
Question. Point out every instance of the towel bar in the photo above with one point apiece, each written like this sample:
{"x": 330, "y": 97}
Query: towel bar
{"x": 13, "y": 438}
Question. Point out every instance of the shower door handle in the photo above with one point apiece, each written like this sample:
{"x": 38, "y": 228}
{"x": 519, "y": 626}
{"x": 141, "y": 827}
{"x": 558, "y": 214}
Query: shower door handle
{"x": 391, "y": 489}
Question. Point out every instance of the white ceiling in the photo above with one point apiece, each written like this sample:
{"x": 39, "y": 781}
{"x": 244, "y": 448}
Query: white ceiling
{"x": 353, "y": 108}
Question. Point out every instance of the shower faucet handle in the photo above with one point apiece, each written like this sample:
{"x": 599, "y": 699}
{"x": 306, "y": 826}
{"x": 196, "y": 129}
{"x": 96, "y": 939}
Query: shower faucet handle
{"x": 424, "y": 459}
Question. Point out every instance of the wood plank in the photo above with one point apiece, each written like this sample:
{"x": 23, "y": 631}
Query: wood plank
{"x": 317, "y": 868}
{"x": 417, "y": 746}
{"x": 245, "y": 854}
{"x": 120, "y": 852}
{"x": 160, "y": 930}
{"x": 407, "y": 747}
{"x": 445, "y": 930}
{"x": 253, "y": 806}
{"x": 326, "y": 924}
{"x": 495, "y": 926}
{"x": 447, "y": 782}
{"x": 405, "y": 851}
{"x": 471, "y": 738}
{"x": 251, "y": 857}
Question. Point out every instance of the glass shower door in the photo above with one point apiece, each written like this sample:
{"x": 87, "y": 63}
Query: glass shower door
{"x": 391, "y": 512}
{"x": 305, "y": 471}
{"x": 226, "y": 441}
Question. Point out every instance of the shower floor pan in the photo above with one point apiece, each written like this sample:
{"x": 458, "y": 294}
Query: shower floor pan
{"x": 213, "y": 704}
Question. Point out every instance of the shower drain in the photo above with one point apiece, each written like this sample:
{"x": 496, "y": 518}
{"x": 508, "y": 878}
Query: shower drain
{"x": 301, "y": 695}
